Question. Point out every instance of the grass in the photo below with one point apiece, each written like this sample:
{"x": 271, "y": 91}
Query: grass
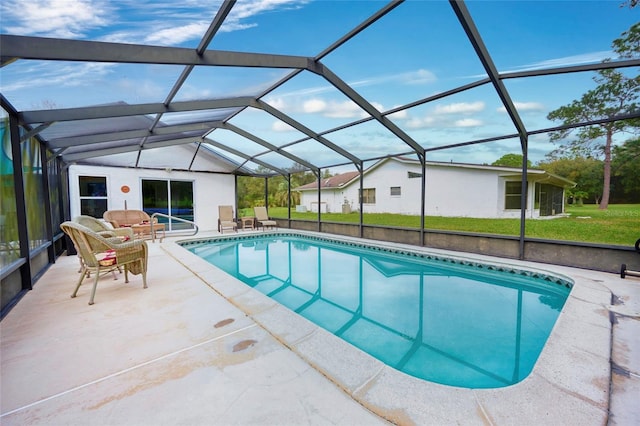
{"x": 618, "y": 225}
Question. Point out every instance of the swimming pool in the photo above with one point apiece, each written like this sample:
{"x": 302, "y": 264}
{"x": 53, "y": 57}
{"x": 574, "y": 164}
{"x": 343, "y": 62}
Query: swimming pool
{"x": 455, "y": 322}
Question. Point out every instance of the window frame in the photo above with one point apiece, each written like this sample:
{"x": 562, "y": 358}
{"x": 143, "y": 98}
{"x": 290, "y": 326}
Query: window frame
{"x": 367, "y": 194}
{"x": 104, "y": 197}
{"x": 510, "y": 196}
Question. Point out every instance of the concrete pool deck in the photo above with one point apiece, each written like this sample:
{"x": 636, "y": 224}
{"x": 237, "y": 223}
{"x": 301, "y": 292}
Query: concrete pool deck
{"x": 199, "y": 347}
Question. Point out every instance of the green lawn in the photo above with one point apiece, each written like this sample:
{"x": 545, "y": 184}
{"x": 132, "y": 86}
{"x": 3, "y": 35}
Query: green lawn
{"x": 618, "y": 225}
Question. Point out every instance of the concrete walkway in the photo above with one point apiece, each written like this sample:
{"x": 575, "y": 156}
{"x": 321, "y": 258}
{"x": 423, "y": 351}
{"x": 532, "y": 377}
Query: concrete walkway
{"x": 197, "y": 348}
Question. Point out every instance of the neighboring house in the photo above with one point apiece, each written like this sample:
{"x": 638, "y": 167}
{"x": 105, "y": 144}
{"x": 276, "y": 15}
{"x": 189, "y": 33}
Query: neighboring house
{"x": 393, "y": 185}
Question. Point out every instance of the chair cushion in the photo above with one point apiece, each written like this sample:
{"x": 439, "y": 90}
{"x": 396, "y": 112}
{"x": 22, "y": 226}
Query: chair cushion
{"x": 108, "y": 258}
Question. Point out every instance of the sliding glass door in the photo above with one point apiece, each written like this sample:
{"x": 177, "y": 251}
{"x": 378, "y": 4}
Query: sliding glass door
{"x": 169, "y": 197}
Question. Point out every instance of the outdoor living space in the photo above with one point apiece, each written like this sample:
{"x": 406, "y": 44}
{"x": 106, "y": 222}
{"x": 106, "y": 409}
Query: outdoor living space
{"x": 200, "y": 347}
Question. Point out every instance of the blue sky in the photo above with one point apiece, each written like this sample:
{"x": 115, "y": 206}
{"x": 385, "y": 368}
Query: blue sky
{"x": 415, "y": 51}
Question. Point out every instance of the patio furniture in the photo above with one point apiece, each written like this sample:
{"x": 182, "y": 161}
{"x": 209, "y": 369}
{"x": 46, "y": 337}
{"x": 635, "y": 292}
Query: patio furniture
{"x": 100, "y": 254}
{"x": 145, "y": 230}
{"x": 225, "y": 219}
{"x": 125, "y": 218}
{"x": 102, "y": 228}
{"x": 263, "y": 218}
{"x": 248, "y": 222}
{"x": 139, "y": 222}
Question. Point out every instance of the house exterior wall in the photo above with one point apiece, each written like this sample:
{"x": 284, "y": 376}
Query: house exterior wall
{"x": 450, "y": 191}
{"x": 209, "y": 190}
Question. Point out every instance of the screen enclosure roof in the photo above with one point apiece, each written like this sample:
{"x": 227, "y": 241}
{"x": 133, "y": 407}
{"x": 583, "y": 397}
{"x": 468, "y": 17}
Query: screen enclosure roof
{"x": 255, "y": 87}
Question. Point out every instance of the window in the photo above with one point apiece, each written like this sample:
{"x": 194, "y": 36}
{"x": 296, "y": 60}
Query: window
{"x": 414, "y": 175}
{"x": 93, "y": 195}
{"x": 369, "y": 195}
{"x": 512, "y": 193}
{"x": 395, "y": 191}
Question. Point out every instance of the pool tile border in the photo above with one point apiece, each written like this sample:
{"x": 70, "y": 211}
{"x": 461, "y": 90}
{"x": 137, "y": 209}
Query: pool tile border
{"x": 562, "y": 281}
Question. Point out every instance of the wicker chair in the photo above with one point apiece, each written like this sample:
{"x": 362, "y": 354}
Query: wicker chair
{"x": 120, "y": 218}
{"x": 101, "y": 227}
{"x": 100, "y": 254}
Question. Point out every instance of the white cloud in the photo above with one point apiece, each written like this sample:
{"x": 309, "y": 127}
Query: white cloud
{"x": 468, "y": 122}
{"x": 524, "y": 106}
{"x": 177, "y": 35}
{"x": 584, "y": 58}
{"x": 333, "y": 109}
{"x": 460, "y": 108}
{"x": 420, "y": 76}
{"x": 420, "y": 123}
{"x": 277, "y": 103}
{"x": 400, "y": 115}
{"x": 63, "y": 75}
{"x": 346, "y": 109}
{"x": 314, "y": 105}
{"x": 280, "y": 126}
{"x": 53, "y": 18}
{"x": 250, "y": 8}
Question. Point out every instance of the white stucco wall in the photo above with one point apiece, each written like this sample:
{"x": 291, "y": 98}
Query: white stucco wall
{"x": 450, "y": 191}
{"x": 209, "y": 190}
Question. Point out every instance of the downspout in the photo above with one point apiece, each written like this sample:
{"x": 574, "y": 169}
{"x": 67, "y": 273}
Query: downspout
{"x": 523, "y": 195}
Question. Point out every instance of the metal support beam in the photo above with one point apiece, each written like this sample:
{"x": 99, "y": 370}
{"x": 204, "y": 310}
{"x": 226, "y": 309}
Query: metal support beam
{"x": 243, "y": 155}
{"x": 177, "y": 130}
{"x": 46, "y": 202}
{"x": 320, "y": 69}
{"x": 52, "y": 49}
{"x": 524, "y": 188}
{"x": 21, "y": 207}
{"x": 473, "y": 34}
{"x": 319, "y": 175}
{"x": 423, "y": 195}
{"x": 360, "y": 198}
{"x": 267, "y": 145}
{"x": 125, "y": 110}
{"x": 76, "y": 156}
{"x": 307, "y": 131}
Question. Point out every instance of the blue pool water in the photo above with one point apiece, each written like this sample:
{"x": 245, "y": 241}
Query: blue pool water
{"x": 463, "y": 324}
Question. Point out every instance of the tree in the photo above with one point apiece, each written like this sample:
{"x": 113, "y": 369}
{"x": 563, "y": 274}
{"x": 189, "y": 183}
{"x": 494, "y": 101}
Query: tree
{"x": 510, "y": 160}
{"x": 584, "y": 171}
{"x": 614, "y": 95}
{"x": 626, "y": 169}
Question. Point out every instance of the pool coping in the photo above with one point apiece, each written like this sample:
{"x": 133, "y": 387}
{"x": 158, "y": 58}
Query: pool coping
{"x": 569, "y": 383}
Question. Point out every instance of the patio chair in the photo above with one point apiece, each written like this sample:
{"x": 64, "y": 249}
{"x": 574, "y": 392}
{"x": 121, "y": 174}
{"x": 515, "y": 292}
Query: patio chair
{"x": 263, "y": 218}
{"x": 101, "y": 228}
{"x": 225, "y": 219}
{"x": 100, "y": 254}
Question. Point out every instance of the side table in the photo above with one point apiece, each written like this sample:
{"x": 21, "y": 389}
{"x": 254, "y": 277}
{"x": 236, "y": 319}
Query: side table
{"x": 247, "y": 222}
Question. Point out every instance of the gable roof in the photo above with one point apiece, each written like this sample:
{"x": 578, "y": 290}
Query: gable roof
{"x": 336, "y": 181}
{"x": 345, "y": 179}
